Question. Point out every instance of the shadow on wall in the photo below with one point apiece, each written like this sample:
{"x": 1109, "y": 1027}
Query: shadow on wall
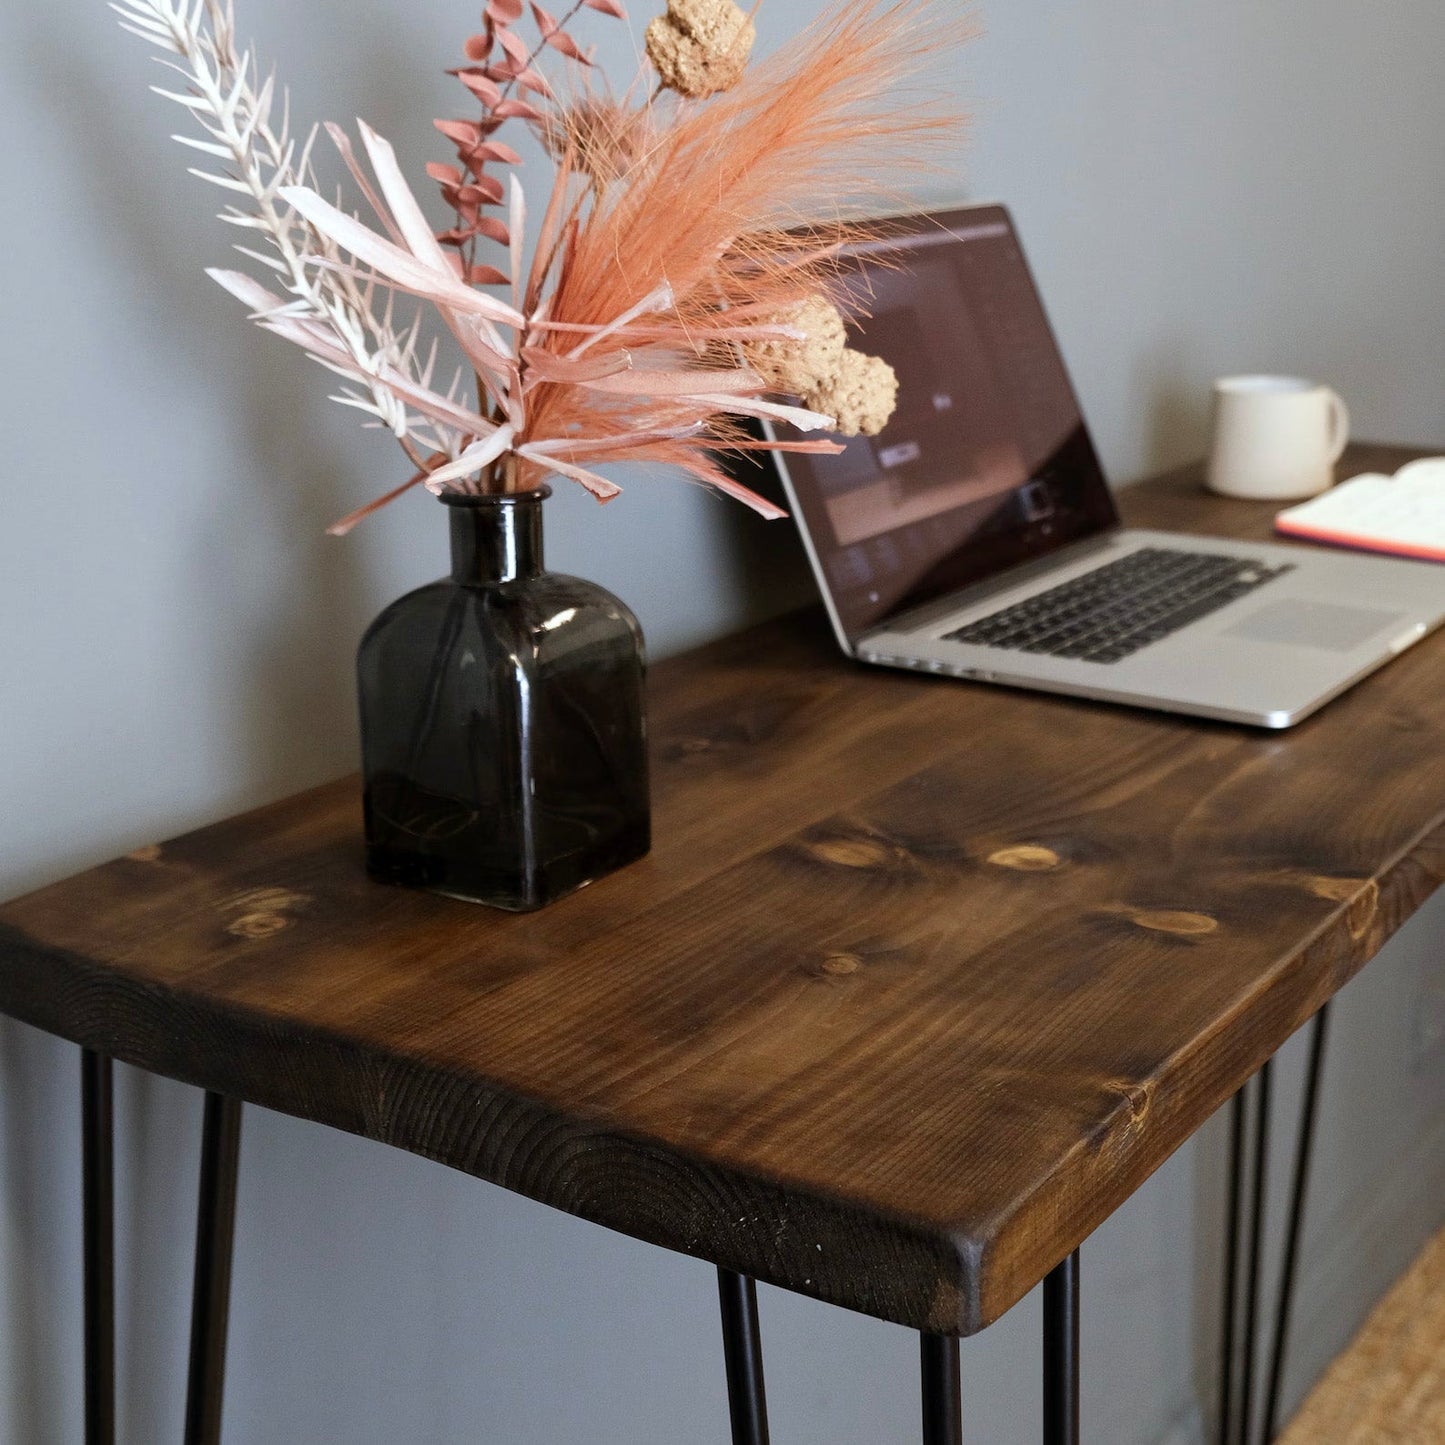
{"x": 1177, "y": 409}
{"x": 1206, "y": 1239}
{"x": 42, "y": 1241}
{"x": 769, "y": 567}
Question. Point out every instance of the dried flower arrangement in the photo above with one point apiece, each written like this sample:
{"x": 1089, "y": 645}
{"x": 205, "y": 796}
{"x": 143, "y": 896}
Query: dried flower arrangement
{"x": 669, "y": 291}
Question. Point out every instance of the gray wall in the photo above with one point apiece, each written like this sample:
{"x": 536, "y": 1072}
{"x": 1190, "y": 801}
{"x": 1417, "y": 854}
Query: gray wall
{"x": 1203, "y": 187}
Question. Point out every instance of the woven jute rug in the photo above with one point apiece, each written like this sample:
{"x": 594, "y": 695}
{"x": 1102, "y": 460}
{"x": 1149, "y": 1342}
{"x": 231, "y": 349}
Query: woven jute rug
{"x": 1388, "y": 1387}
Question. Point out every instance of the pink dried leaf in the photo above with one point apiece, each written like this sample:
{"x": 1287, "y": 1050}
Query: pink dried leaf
{"x": 812, "y": 448}
{"x": 535, "y": 81}
{"x": 517, "y": 225}
{"x": 446, "y": 175}
{"x": 676, "y": 336}
{"x": 341, "y": 528}
{"x": 487, "y": 91}
{"x": 749, "y": 498}
{"x": 465, "y": 133}
{"x": 546, "y": 246}
{"x": 247, "y": 290}
{"x": 517, "y": 48}
{"x": 607, "y": 7}
{"x": 599, "y": 486}
{"x": 399, "y": 196}
{"x": 481, "y": 275}
{"x": 678, "y": 383}
{"x": 432, "y": 280}
{"x": 512, "y": 107}
{"x": 546, "y": 25}
{"x": 493, "y": 230}
{"x": 597, "y": 448}
{"x": 564, "y": 43}
{"x": 480, "y": 454}
{"x": 504, "y": 12}
{"x": 548, "y": 366}
{"x": 477, "y": 47}
{"x": 661, "y": 299}
{"x": 495, "y": 150}
{"x": 652, "y": 430}
{"x": 342, "y": 142}
{"x": 798, "y": 416}
{"x": 481, "y": 188}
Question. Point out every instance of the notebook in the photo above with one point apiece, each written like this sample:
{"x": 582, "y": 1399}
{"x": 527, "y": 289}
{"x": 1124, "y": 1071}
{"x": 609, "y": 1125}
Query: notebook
{"x": 1403, "y": 514}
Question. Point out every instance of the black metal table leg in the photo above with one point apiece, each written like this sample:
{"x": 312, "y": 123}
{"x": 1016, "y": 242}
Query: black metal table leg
{"x": 215, "y": 1232}
{"x": 1061, "y": 1354}
{"x": 1231, "y": 1268}
{"x": 1237, "y": 1414}
{"x": 98, "y": 1190}
{"x": 1256, "y": 1249}
{"x": 743, "y": 1354}
{"x": 942, "y": 1390}
{"x": 1303, "y": 1148}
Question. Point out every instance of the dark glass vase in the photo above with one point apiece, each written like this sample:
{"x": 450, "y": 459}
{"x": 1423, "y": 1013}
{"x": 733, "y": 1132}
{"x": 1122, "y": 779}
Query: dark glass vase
{"x": 502, "y": 724}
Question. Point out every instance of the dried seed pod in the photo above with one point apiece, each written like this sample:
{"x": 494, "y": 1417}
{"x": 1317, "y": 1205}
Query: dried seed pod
{"x": 700, "y": 46}
{"x": 861, "y": 397}
{"x": 807, "y": 364}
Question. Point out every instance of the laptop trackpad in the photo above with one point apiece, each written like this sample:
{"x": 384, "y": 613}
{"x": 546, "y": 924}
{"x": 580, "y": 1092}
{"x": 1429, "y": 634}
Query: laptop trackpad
{"x": 1298, "y": 622}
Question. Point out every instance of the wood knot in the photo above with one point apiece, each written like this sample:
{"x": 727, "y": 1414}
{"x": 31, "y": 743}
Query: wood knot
{"x": 853, "y": 851}
{"x": 151, "y": 853}
{"x": 1362, "y": 895}
{"x": 1026, "y": 858}
{"x": 832, "y": 966}
{"x": 1168, "y": 920}
{"x": 689, "y": 747}
{"x": 1138, "y": 1097}
{"x": 262, "y": 911}
{"x": 258, "y": 925}
{"x": 1361, "y": 915}
{"x": 1337, "y": 890}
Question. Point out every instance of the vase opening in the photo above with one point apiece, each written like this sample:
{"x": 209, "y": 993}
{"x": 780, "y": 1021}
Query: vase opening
{"x": 496, "y": 537}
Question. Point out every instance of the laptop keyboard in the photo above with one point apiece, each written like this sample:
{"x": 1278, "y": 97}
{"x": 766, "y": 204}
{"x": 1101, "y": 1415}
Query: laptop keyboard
{"x": 1109, "y": 613}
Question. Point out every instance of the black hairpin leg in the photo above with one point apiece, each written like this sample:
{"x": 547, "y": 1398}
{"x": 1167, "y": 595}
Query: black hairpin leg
{"x": 942, "y": 1390}
{"x": 743, "y": 1355}
{"x": 1256, "y": 1250}
{"x": 1236, "y": 1413}
{"x": 98, "y": 1188}
{"x": 1061, "y": 1354}
{"x": 1231, "y": 1268}
{"x": 1308, "y": 1113}
{"x": 210, "y": 1302}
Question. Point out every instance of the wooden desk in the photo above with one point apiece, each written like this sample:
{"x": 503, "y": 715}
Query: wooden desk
{"x": 921, "y": 981}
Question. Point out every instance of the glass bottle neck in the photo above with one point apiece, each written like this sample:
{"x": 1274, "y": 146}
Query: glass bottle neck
{"x": 496, "y": 539}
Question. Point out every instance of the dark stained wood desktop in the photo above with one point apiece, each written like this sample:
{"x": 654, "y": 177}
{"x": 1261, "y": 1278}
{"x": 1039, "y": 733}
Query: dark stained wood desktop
{"x": 920, "y": 982}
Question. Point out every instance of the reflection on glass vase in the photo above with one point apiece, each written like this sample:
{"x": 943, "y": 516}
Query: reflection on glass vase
{"x": 502, "y": 722}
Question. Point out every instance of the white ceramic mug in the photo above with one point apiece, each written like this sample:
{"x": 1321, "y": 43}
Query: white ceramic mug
{"x": 1276, "y": 438}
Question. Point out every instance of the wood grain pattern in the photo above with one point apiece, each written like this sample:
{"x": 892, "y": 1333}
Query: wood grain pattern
{"x": 921, "y": 981}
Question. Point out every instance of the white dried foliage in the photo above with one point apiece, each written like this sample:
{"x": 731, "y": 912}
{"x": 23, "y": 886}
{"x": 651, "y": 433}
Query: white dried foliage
{"x": 235, "y": 109}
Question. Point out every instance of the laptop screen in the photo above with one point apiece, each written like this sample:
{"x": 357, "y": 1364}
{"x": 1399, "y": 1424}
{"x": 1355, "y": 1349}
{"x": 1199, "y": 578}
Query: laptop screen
{"x": 986, "y": 463}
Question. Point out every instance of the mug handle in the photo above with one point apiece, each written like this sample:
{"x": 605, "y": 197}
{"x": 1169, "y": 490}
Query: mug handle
{"x": 1339, "y": 426}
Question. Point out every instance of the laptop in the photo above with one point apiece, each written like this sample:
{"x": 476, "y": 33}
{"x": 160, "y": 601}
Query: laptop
{"x": 977, "y": 537}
